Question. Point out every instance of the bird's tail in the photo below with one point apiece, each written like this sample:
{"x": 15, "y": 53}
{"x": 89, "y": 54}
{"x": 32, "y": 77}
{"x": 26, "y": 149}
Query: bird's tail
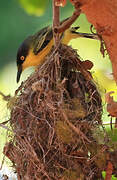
{"x": 85, "y": 35}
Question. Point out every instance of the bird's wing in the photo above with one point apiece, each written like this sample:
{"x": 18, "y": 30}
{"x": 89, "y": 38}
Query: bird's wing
{"x": 42, "y": 38}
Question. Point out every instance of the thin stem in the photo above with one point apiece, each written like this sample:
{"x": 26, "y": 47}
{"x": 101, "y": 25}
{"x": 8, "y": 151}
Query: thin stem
{"x": 65, "y": 25}
{"x": 56, "y": 37}
{"x": 56, "y": 23}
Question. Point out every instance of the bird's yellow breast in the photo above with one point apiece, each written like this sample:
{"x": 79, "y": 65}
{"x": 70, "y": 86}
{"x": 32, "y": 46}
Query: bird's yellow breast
{"x": 35, "y": 60}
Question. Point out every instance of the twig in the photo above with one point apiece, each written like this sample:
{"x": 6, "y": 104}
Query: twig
{"x": 5, "y": 127}
{"x": 56, "y": 22}
{"x": 65, "y": 25}
{"x": 109, "y": 171}
{"x": 116, "y": 123}
{"x": 6, "y": 98}
{"x": 105, "y": 124}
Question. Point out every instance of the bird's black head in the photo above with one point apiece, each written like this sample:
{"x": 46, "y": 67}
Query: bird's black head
{"x": 22, "y": 54}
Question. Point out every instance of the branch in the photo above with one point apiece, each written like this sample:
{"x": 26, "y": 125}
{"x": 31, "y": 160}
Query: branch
{"x": 56, "y": 23}
{"x": 67, "y": 23}
{"x": 6, "y": 98}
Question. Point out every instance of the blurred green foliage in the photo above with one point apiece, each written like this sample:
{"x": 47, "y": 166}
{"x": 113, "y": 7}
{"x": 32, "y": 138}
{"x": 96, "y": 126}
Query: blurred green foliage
{"x": 16, "y": 25}
{"x": 36, "y": 7}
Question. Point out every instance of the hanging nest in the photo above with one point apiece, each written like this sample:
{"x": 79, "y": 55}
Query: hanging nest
{"x": 53, "y": 118}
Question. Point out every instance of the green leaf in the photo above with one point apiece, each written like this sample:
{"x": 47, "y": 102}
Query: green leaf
{"x": 34, "y": 7}
{"x": 104, "y": 175}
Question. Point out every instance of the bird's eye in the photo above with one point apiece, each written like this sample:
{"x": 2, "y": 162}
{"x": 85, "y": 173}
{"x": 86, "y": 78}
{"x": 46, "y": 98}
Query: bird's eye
{"x": 22, "y": 58}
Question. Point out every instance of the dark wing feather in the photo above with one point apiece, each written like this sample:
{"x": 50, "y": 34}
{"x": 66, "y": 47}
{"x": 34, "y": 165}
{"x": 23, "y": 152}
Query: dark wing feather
{"x": 42, "y": 38}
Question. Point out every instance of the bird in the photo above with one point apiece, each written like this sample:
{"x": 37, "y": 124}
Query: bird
{"x": 35, "y": 48}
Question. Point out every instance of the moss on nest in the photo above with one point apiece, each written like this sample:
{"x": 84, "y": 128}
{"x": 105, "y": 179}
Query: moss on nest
{"x": 52, "y": 120}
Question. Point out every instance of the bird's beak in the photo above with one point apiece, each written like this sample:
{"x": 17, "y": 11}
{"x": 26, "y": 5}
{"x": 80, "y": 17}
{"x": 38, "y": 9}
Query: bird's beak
{"x": 19, "y": 72}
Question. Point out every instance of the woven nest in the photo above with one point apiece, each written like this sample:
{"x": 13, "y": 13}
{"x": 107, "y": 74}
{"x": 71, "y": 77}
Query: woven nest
{"x": 55, "y": 113}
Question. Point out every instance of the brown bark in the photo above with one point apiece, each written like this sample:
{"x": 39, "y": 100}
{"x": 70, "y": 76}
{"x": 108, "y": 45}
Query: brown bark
{"x": 56, "y": 22}
{"x": 103, "y": 15}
